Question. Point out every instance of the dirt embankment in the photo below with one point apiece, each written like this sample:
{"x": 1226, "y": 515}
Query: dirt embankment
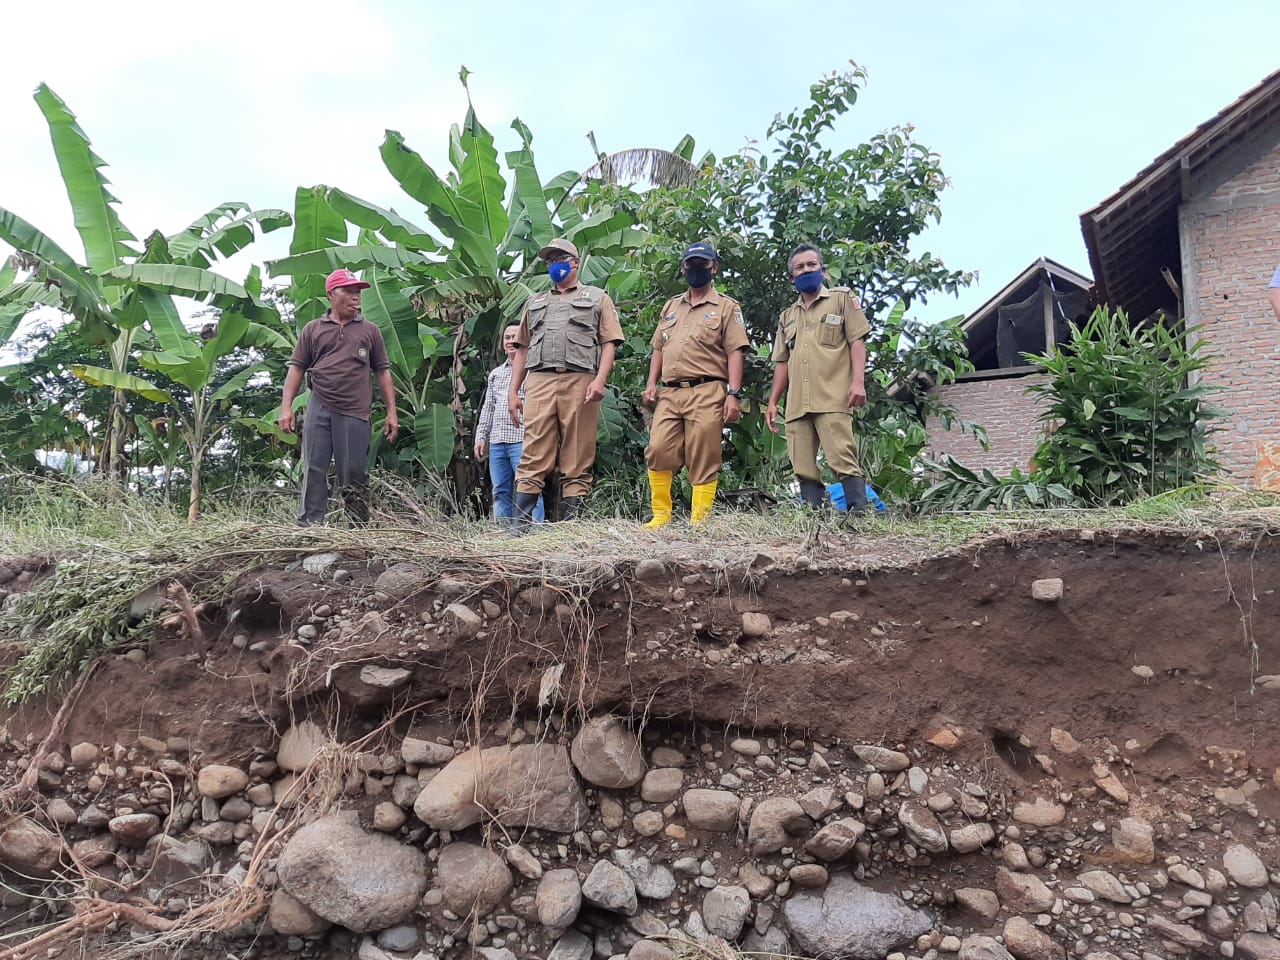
{"x": 1143, "y": 692}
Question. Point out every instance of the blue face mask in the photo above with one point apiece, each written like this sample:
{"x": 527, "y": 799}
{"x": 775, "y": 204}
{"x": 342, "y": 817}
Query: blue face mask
{"x": 559, "y": 270}
{"x": 808, "y": 282}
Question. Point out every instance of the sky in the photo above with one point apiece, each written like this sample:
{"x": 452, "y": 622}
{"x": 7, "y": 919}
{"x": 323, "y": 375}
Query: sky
{"x": 1038, "y": 110}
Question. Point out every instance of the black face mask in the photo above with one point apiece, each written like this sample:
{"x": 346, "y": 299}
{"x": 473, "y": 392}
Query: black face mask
{"x": 697, "y": 277}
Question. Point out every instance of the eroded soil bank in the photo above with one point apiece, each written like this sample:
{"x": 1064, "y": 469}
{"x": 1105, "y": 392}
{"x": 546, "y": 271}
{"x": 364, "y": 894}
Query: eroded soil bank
{"x": 1138, "y": 704}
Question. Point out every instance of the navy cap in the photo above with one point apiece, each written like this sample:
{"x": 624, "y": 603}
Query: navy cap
{"x": 700, "y": 249}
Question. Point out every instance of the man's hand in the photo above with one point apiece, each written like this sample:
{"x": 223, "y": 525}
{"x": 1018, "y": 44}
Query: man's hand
{"x": 288, "y": 422}
{"x": 857, "y": 394}
{"x": 771, "y": 418}
{"x": 732, "y": 409}
{"x": 650, "y": 395}
{"x": 595, "y": 391}
{"x": 391, "y": 427}
{"x": 515, "y": 407}
{"x": 480, "y": 446}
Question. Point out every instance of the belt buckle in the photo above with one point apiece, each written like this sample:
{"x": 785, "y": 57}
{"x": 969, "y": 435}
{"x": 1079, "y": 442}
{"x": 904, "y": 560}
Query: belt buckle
{"x": 562, "y": 369}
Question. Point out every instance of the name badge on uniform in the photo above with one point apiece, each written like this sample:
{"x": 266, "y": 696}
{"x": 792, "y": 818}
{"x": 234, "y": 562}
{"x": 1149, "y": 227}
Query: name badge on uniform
{"x": 833, "y": 318}
{"x": 363, "y": 353}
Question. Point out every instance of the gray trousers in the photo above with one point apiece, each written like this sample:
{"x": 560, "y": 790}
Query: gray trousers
{"x": 344, "y": 441}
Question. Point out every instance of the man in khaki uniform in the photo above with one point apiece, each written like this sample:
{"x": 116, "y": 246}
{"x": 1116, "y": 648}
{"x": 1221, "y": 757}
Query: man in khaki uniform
{"x": 820, "y": 358}
{"x": 565, "y": 346}
{"x": 697, "y": 356}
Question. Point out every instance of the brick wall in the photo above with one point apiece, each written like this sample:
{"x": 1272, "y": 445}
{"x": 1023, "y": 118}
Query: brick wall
{"x": 1230, "y": 248}
{"x": 1000, "y": 405}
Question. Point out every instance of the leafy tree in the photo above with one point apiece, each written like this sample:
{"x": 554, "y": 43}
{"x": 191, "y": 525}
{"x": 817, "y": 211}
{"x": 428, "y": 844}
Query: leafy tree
{"x": 122, "y": 296}
{"x": 864, "y": 206}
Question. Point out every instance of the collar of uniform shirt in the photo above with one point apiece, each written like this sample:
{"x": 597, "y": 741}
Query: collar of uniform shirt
{"x": 328, "y": 317}
{"x": 566, "y": 289}
{"x": 713, "y": 296}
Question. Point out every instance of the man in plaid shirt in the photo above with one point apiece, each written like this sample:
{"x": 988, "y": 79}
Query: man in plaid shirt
{"x": 502, "y": 436}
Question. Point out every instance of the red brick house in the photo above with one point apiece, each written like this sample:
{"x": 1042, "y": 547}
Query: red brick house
{"x": 1196, "y": 233}
{"x": 1029, "y": 315}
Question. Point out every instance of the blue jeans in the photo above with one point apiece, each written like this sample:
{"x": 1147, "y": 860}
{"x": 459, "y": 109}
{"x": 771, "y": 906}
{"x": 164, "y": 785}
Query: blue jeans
{"x": 503, "y": 460}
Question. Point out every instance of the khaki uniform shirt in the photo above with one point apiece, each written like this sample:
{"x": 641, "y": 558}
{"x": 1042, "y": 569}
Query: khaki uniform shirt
{"x": 814, "y": 343}
{"x": 696, "y": 339}
{"x": 337, "y": 359}
{"x": 566, "y": 329}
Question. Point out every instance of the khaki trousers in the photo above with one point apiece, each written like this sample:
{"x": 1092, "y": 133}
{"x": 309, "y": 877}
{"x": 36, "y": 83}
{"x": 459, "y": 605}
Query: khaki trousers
{"x": 688, "y": 423}
{"x": 834, "y": 431}
{"x": 558, "y": 425}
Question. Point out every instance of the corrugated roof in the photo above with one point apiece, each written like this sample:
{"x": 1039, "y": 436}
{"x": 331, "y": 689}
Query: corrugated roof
{"x": 1134, "y": 232}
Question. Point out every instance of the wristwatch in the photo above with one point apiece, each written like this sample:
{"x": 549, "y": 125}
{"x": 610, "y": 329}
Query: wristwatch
{"x": 735, "y": 392}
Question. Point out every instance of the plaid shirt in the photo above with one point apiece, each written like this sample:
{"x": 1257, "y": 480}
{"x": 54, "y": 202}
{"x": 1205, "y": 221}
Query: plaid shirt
{"x": 496, "y": 425}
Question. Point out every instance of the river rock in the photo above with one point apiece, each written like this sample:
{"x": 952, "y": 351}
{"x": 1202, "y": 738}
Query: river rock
{"x": 1025, "y": 942}
{"x": 661, "y": 785}
{"x": 1134, "y": 841}
{"x": 835, "y": 839}
{"x": 724, "y": 911}
{"x": 771, "y": 822}
{"x": 607, "y": 754}
{"x": 218, "y": 780}
{"x": 425, "y": 753}
{"x": 530, "y": 785}
{"x": 846, "y": 919}
{"x": 28, "y": 848}
{"x": 1104, "y": 885}
{"x": 650, "y": 950}
{"x": 472, "y": 879}
{"x": 134, "y": 829}
{"x": 524, "y": 862}
{"x": 922, "y": 826}
{"x": 362, "y": 881}
{"x": 653, "y": 881}
{"x": 1039, "y": 813}
{"x": 559, "y": 898}
{"x": 1023, "y": 892}
{"x": 973, "y": 837}
{"x": 1244, "y": 866}
{"x": 978, "y": 947}
{"x": 711, "y": 809}
{"x": 290, "y": 916}
{"x": 977, "y": 902}
{"x": 884, "y": 760}
{"x": 1182, "y": 933}
{"x": 400, "y": 580}
{"x": 1259, "y": 946}
{"x": 571, "y": 946}
{"x": 609, "y": 887}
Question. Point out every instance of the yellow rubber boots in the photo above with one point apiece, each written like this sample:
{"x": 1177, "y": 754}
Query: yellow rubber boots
{"x": 704, "y": 495}
{"x": 660, "y": 495}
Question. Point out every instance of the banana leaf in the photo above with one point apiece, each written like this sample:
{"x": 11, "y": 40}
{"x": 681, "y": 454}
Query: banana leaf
{"x": 106, "y": 239}
{"x": 101, "y": 377}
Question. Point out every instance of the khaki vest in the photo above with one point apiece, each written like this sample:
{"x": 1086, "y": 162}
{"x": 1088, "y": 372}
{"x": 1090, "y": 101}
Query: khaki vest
{"x": 564, "y": 330}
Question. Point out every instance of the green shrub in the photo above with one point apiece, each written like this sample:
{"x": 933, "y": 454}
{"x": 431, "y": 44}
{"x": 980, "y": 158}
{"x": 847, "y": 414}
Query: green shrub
{"x": 1123, "y": 418}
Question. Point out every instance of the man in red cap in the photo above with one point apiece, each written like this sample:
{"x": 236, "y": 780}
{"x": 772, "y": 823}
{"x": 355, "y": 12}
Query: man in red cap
{"x": 336, "y": 352}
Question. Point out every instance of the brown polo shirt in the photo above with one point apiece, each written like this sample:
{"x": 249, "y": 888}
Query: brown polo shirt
{"x": 337, "y": 359}
{"x": 696, "y": 337}
{"x": 814, "y": 343}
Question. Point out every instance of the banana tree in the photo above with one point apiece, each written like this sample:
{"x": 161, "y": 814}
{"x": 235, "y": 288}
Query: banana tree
{"x": 122, "y": 296}
{"x": 203, "y": 408}
{"x": 441, "y": 293}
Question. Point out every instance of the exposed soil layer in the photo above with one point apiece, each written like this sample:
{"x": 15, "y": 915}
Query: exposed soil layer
{"x": 1146, "y": 689}
{"x": 863, "y": 656}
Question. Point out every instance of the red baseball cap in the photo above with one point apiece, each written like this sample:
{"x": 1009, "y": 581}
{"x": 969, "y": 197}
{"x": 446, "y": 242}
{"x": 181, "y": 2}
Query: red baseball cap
{"x": 343, "y": 278}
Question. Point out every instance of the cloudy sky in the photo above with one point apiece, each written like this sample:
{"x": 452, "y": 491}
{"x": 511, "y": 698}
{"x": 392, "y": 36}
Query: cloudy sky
{"x": 1038, "y": 110}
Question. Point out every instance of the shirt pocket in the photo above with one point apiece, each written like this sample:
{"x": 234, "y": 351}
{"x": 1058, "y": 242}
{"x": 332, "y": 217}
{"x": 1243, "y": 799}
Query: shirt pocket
{"x": 831, "y": 331}
{"x": 708, "y": 330}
